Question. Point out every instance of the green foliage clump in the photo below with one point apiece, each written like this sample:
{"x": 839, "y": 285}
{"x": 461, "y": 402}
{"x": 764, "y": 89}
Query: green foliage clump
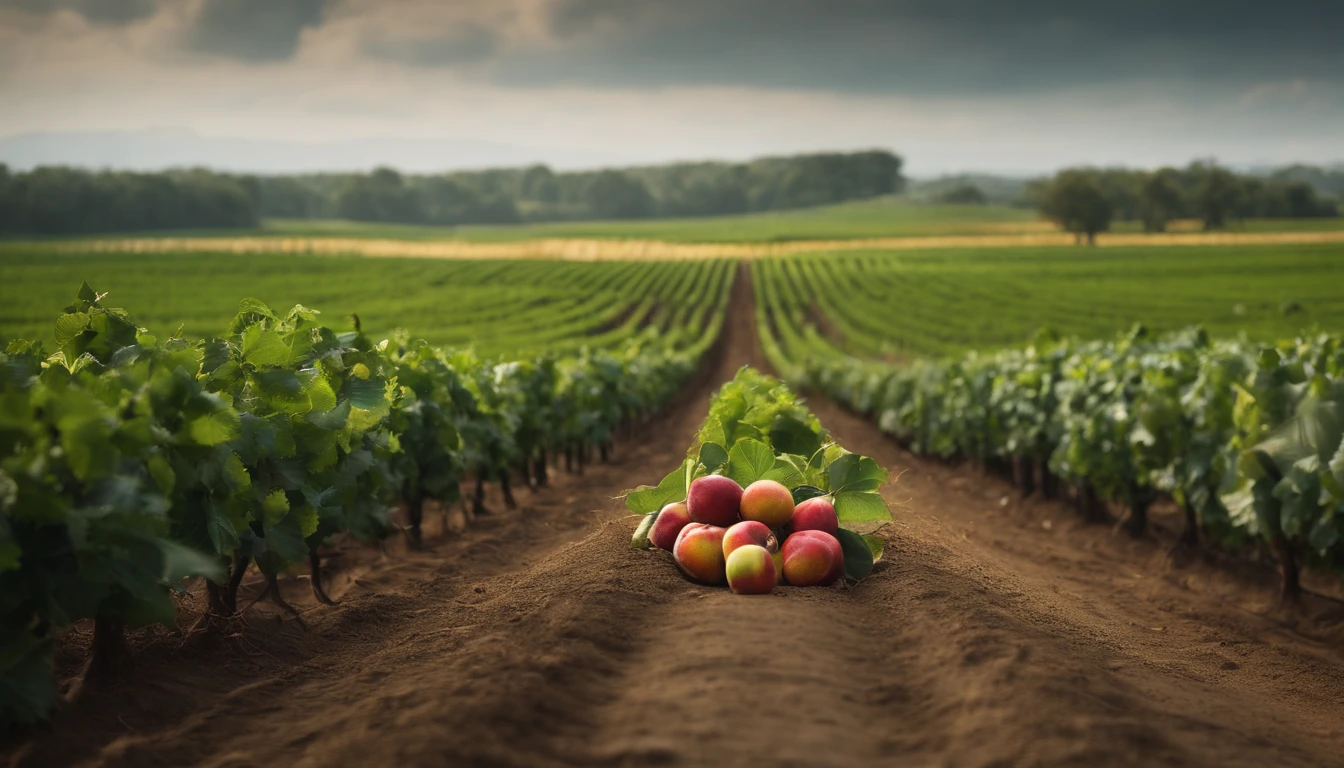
{"x": 758, "y": 429}
{"x": 128, "y": 463}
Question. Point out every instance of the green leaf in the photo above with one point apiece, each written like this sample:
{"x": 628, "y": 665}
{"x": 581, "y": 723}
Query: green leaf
{"x": 263, "y": 348}
{"x": 877, "y": 545}
{"x": 307, "y": 518}
{"x": 70, "y": 326}
{"x": 180, "y": 561}
{"x": 221, "y": 530}
{"x": 852, "y": 472}
{"x": 790, "y": 435}
{"x": 369, "y": 394}
{"x": 804, "y": 492}
{"x": 713, "y": 456}
{"x": 275, "y": 507}
{"x": 1324, "y": 534}
{"x": 214, "y": 428}
{"x": 236, "y": 474}
{"x": 864, "y": 507}
{"x": 646, "y": 499}
{"x": 858, "y": 555}
{"x": 749, "y": 461}
{"x": 785, "y": 471}
{"x": 320, "y": 395}
{"x": 641, "y": 538}
{"x": 162, "y": 472}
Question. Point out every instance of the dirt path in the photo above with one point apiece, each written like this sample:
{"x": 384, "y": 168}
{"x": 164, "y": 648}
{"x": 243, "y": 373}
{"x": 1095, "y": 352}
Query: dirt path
{"x": 987, "y": 638}
{"x": 577, "y": 249}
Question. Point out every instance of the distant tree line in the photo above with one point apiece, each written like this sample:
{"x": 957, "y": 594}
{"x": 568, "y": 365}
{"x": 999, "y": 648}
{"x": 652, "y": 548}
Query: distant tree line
{"x": 57, "y": 200}
{"x": 1086, "y": 200}
{"x": 66, "y": 201}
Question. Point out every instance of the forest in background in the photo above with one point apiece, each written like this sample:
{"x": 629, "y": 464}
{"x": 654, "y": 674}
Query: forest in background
{"x": 58, "y": 200}
{"x": 62, "y": 200}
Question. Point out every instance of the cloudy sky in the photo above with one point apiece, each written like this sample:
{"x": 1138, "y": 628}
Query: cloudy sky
{"x": 953, "y": 85}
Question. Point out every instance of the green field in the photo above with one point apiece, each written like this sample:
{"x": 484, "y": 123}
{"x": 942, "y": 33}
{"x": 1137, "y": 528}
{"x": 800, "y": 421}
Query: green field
{"x": 497, "y": 306}
{"x": 904, "y": 304}
{"x": 894, "y": 304}
{"x": 880, "y": 217}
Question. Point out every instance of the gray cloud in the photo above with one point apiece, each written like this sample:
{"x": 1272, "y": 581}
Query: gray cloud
{"x": 465, "y": 44}
{"x": 253, "y": 30}
{"x": 931, "y": 46}
{"x": 97, "y": 11}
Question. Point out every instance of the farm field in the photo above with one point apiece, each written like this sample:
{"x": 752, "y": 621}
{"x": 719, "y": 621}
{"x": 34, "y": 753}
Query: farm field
{"x": 995, "y": 629}
{"x": 593, "y": 384}
{"x": 910, "y": 304}
{"x": 868, "y": 303}
{"x": 881, "y": 217}
{"x": 496, "y": 306}
{"x": 981, "y": 617}
{"x": 865, "y": 219}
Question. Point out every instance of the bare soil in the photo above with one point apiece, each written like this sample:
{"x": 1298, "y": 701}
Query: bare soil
{"x": 996, "y": 632}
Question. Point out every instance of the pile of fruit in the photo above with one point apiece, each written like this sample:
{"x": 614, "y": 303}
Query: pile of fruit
{"x": 754, "y": 538}
{"x": 763, "y": 498}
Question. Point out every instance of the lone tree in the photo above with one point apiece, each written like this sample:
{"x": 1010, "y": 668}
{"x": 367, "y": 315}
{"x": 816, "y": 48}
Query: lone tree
{"x": 1160, "y": 200}
{"x": 1076, "y": 202}
{"x": 1216, "y": 194}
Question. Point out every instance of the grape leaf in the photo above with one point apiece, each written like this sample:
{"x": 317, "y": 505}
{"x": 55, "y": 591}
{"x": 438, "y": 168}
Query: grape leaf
{"x": 646, "y": 499}
{"x": 275, "y": 507}
{"x": 749, "y": 461}
{"x": 858, "y": 555}
{"x": 713, "y": 456}
{"x": 864, "y": 507}
{"x": 877, "y": 545}
{"x": 852, "y": 472}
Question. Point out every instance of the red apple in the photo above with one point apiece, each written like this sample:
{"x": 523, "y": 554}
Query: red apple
{"x": 699, "y": 553}
{"x": 768, "y": 502}
{"x": 751, "y": 571}
{"x": 816, "y": 514}
{"x": 748, "y": 532}
{"x": 714, "y": 500}
{"x": 813, "y": 559}
{"x": 671, "y": 519}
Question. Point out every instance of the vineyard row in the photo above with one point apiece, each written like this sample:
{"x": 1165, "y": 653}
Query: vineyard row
{"x": 128, "y": 463}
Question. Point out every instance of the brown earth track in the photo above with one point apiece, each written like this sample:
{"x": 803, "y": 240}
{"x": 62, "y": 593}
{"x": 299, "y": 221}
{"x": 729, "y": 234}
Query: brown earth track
{"x": 986, "y": 638}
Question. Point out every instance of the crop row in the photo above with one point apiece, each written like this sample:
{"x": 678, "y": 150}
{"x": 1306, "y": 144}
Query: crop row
{"x": 908, "y": 305}
{"x": 1247, "y": 438}
{"x": 128, "y": 463}
{"x": 498, "y": 307}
